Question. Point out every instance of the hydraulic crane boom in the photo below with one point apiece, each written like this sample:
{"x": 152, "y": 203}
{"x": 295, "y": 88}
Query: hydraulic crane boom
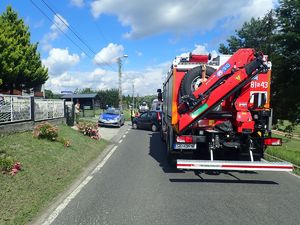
{"x": 228, "y": 79}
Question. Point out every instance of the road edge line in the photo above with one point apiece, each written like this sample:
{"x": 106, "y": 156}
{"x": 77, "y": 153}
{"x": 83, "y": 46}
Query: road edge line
{"x": 42, "y": 217}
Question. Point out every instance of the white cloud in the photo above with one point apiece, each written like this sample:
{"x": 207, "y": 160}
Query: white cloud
{"x": 109, "y": 54}
{"x": 60, "y": 61}
{"x": 106, "y": 79}
{"x": 200, "y": 50}
{"x": 78, "y": 3}
{"x": 139, "y": 53}
{"x": 59, "y": 25}
{"x": 177, "y": 16}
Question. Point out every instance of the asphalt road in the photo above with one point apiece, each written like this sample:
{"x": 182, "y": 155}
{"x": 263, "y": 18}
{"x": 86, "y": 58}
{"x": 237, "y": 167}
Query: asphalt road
{"x": 136, "y": 186}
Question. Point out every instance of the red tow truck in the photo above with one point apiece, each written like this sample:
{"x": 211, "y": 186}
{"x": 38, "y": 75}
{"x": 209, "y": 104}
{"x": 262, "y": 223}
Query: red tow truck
{"x": 216, "y": 113}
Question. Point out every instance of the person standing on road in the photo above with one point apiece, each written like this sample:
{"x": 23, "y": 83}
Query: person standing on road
{"x": 132, "y": 115}
{"x": 77, "y": 111}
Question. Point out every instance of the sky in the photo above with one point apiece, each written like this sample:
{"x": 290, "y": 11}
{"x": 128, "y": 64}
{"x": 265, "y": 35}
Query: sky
{"x": 81, "y": 40}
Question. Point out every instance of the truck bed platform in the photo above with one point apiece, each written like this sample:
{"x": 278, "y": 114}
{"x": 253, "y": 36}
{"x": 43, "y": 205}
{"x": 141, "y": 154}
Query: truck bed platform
{"x": 233, "y": 165}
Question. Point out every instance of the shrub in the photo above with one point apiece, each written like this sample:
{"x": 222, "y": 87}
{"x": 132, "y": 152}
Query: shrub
{"x": 64, "y": 141}
{"x": 89, "y": 129}
{"x": 6, "y": 162}
{"x": 46, "y": 130}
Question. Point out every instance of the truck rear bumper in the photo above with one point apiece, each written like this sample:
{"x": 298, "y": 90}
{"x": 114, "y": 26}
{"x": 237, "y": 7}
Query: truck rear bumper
{"x": 234, "y": 165}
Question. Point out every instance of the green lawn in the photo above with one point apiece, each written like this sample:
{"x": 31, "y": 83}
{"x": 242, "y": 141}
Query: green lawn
{"x": 48, "y": 169}
{"x": 289, "y": 151}
{"x": 286, "y": 123}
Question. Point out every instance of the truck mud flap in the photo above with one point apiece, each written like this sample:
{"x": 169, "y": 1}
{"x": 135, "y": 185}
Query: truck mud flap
{"x": 234, "y": 165}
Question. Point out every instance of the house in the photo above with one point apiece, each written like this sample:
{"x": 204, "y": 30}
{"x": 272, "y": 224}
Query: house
{"x": 87, "y": 101}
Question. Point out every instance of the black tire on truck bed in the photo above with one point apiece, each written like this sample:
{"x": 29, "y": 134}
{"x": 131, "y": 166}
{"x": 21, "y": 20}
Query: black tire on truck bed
{"x": 190, "y": 76}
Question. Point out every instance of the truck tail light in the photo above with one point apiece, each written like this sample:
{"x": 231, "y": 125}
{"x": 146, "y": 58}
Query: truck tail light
{"x": 184, "y": 139}
{"x": 273, "y": 141}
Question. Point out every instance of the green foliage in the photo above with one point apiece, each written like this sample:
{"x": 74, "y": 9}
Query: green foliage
{"x": 257, "y": 33}
{"x": 20, "y": 63}
{"x": 108, "y": 97}
{"x": 277, "y": 34}
{"x": 66, "y": 142}
{"x": 46, "y": 130}
{"x": 286, "y": 61}
{"x": 6, "y": 162}
{"x": 84, "y": 91}
{"x": 49, "y": 94}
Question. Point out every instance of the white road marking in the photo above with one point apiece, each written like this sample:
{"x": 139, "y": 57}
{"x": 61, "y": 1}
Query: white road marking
{"x": 124, "y": 136}
{"x": 126, "y": 132}
{"x": 120, "y": 141}
{"x": 291, "y": 173}
{"x": 67, "y": 200}
{"x": 101, "y": 164}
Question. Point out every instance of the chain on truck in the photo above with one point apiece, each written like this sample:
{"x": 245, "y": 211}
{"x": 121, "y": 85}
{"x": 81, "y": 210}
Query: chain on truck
{"x": 217, "y": 114}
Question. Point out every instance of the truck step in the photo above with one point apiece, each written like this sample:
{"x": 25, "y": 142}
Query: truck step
{"x": 233, "y": 165}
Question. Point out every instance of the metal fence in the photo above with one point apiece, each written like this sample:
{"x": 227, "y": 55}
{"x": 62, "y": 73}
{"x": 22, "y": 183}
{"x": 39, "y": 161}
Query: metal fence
{"x": 14, "y": 108}
{"x": 48, "y": 109}
{"x": 24, "y": 108}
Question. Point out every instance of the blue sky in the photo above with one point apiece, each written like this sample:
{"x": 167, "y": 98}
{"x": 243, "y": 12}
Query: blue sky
{"x": 151, "y": 33}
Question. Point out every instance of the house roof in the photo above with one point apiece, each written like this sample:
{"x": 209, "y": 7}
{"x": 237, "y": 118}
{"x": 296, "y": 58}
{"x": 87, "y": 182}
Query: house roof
{"x": 79, "y": 96}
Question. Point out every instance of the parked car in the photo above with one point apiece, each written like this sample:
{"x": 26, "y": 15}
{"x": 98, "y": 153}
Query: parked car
{"x": 143, "y": 107}
{"x": 111, "y": 117}
{"x": 148, "y": 120}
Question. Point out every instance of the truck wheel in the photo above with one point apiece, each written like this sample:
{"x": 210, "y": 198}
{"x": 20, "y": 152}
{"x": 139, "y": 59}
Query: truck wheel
{"x": 134, "y": 126}
{"x": 170, "y": 156}
{"x": 162, "y": 135}
{"x": 193, "y": 79}
{"x": 154, "y": 128}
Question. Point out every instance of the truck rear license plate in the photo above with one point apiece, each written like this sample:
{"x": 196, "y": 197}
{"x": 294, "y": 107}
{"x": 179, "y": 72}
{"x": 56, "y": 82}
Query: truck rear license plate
{"x": 185, "y": 146}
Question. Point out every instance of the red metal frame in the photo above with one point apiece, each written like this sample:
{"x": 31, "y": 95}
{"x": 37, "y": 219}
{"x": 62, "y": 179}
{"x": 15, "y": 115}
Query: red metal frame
{"x": 243, "y": 119}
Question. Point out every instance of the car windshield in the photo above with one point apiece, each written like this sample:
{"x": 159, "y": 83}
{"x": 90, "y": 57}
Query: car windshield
{"x": 112, "y": 111}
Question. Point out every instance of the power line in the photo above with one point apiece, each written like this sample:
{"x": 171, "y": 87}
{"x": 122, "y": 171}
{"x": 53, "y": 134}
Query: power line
{"x": 69, "y": 27}
{"x": 75, "y": 33}
{"x": 60, "y": 29}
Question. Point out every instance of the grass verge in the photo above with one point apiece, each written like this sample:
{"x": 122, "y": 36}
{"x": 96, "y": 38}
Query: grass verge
{"x": 48, "y": 169}
{"x": 289, "y": 151}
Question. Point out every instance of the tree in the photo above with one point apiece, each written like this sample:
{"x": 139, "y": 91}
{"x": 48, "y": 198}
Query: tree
{"x": 286, "y": 61}
{"x": 84, "y": 91}
{"x": 20, "y": 63}
{"x": 257, "y": 33}
{"x": 108, "y": 98}
{"x": 277, "y": 34}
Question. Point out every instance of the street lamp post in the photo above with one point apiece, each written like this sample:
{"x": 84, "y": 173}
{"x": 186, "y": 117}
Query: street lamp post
{"x": 119, "y": 59}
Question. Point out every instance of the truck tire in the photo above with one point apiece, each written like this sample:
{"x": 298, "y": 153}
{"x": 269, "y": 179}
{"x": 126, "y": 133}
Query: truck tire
{"x": 170, "y": 156}
{"x": 192, "y": 78}
{"x": 154, "y": 128}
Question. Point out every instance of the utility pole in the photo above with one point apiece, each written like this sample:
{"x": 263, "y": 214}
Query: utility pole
{"x": 133, "y": 96}
{"x": 120, "y": 83}
{"x": 119, "y": 60}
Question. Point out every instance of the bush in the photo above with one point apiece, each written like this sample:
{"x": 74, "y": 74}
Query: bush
{"x": 64, "y": 141}
{"x": 89, "y": 129}
{"x": 46, "y": 130}
{"x": 6, "y": 162}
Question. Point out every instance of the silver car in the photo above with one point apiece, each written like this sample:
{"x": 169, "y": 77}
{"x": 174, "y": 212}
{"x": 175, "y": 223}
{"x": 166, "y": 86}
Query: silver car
{"x": 111, "y": 117}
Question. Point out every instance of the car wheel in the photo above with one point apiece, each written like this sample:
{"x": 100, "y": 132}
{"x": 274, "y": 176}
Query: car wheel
{"x": 120, "y": 124}
{"x": 134, "y": 126}
{"x": 154, "y": 128}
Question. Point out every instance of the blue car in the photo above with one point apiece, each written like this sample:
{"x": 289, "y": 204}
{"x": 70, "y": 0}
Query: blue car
{"x": 111, "y": 117}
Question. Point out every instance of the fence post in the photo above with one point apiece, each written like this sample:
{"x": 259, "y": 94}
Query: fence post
{"x": 11, "y": 109}
{"x": 32, "y": 106}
